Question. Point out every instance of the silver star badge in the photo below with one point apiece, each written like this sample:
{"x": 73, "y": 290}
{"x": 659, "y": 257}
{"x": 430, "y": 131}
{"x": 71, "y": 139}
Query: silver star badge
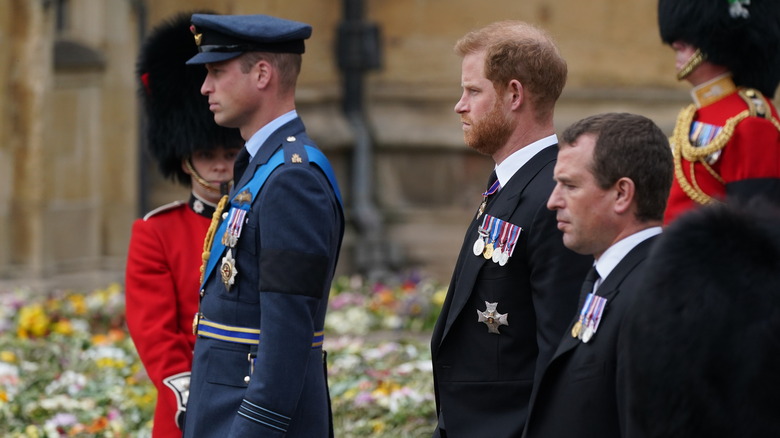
{"x": 492, "y": 318}
{"x": 228, "y": 270}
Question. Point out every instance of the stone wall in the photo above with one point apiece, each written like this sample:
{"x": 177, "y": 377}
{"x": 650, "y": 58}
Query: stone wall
{"x": 71, "y": 177}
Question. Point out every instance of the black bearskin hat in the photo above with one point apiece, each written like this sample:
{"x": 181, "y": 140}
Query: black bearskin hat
{"x": 702, "y": 341}
{"x": 742, "y": 35}
{"x": 178, "y": 118}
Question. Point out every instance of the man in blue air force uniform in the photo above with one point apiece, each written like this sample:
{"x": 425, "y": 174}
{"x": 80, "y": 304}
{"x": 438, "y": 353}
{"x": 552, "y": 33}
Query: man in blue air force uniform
{"x": 272, "y": 249}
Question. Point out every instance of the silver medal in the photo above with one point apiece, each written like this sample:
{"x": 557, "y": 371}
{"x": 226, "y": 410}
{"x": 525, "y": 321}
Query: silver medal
{"x": 587, "y": 334}
{"x": 504, "y": 258}
{"x": 479, "y": 246}
{"x": 497, "y": 254}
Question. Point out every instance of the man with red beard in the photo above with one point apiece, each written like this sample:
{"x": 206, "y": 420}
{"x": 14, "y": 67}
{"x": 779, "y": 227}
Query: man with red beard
{"x": 513, "y": 269}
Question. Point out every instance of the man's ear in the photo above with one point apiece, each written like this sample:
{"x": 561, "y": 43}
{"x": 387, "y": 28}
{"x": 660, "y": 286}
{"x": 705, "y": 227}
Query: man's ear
{"x": 517, "y": 91}
{"x": 186, "y": 166}
{"x": 264, "y": 73}
{"x": 625, "y": 190}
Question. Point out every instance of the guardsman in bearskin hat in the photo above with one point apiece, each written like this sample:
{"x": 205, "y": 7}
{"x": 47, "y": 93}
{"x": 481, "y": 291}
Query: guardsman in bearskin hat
{"x": 166, "y": 245}
{"x": 727, "y": 143}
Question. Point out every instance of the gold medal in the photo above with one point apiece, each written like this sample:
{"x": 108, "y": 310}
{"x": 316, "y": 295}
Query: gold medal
{"x": 488, "y": 254}
{"x": 575, "y": 331}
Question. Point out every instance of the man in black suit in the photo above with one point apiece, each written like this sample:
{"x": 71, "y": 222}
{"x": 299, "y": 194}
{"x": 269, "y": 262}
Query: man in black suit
{"x": 613, "y": 176}
{"x": 515, "y": 285}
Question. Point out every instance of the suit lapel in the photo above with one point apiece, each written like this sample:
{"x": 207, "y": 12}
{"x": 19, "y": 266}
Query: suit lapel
{"x": 609, "y": 289}
{"x": 502, "y": 206}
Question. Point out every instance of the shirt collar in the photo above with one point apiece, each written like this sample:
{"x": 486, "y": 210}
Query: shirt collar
{"x": 615, "y": 253}
{"x": 259, "y": 137}
{"x": 514, "y": 162}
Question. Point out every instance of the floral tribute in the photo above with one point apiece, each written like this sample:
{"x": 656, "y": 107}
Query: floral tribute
{"x": 69, "y": 369}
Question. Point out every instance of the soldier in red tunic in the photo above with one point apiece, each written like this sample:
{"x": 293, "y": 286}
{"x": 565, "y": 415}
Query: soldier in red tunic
{"x": 164, "y": 257}
{"x": 727, "y": 143}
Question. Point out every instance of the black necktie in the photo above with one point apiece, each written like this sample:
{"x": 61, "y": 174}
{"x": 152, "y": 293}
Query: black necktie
{"x": 493, "y": 178}
{"x": 587, "y": 286}
{"x": 242, "y": 161}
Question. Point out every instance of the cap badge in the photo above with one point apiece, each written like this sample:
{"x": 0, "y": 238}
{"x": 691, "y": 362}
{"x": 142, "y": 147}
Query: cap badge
{"x": 492, "y": 318}
{"x": 198, "y": 36}
{"x": 245, "y": 197}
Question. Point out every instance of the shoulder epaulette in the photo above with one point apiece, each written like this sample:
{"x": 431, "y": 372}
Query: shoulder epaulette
{"x": 162, "y": 208}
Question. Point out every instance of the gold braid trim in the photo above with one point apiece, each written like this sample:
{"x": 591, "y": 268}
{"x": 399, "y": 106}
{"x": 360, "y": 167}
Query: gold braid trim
{"x": 210, "y": 235}
{"x": 682, "y": 147}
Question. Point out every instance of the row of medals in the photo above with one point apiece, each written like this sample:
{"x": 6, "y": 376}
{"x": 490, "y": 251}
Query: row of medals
{"x": 236, "y": 218}
{"x": 484, "y": 246}
{"x": 590, "y": 316}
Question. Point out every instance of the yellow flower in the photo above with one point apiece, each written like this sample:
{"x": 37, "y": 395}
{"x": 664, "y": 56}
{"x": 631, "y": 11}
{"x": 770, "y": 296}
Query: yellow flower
{"x": 385, "y": 388}
{"x": 63, "y": 327}
{"x": 378, "y": 426}
{"x": 3, "y": 396}
{"x": 8, "y": 356}
{"x": 439, "y": 296}
{"x": 78, "y": 303}
{"x": 110, "y": 362}
{"x": 31, "y": 431}
{"x": 32, "y": 321}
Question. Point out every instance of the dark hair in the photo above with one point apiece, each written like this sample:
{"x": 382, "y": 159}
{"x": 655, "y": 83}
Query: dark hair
{"x": 631, "y": 146}
{"x": 518, "y": 50}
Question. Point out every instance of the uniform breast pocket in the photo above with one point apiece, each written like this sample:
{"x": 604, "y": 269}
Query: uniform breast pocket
{"x": 248, "y": 241}
{"x": 227, "y": 367}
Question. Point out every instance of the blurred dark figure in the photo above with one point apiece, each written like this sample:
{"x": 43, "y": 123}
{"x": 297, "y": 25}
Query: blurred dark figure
{"x": 703, "y": 341}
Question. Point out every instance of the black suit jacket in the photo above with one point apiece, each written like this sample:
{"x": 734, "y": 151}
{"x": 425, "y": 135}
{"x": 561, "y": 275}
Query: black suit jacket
{"x": 483, "y": 380}
{"x": 581, "y": 392}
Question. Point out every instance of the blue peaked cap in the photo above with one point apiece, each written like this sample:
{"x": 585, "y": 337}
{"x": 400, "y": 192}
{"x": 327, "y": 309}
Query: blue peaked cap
{"x": 223, "y": 37}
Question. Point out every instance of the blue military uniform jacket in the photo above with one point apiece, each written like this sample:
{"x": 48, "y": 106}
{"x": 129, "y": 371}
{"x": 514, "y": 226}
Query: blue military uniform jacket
{"x": 284, "y": 262}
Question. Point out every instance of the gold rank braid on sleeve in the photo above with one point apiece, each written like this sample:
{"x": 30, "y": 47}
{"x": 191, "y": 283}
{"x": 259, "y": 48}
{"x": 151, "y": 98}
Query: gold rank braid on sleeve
{"x": 209, "y": 239}
{"x": 682, "y": 147}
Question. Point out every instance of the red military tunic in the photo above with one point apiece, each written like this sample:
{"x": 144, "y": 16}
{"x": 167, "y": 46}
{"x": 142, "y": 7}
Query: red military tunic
{"x": 751, "y": 149}
{"x": 161, "y": 283}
